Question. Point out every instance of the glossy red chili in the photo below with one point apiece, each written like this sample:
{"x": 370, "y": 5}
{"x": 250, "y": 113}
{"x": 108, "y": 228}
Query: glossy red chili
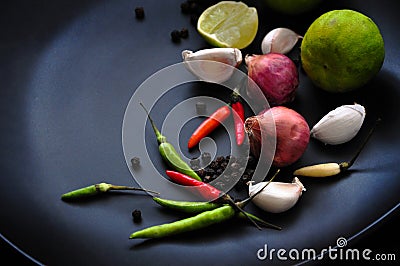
{"x": 205, "y": 190}
{"x": 238, "y": 119}
{"x": 208, "y": 125}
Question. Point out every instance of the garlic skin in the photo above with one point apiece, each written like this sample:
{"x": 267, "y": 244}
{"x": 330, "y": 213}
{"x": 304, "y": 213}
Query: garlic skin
{"x": 277, "y": 197}
{"x": 339, "y": 125}
{"x": 279, "y": 40}
{"x": 214, "y": 64}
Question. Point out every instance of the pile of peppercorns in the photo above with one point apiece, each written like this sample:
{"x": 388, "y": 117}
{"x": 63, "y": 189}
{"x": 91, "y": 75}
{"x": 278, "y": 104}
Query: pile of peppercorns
{"x": 225, "y": 168}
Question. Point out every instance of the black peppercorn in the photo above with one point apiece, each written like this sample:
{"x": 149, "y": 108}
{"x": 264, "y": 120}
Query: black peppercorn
{"x": 201, "y": 108}
{"x": 139, "y": 12}
{"x": 201, "y": 172}
{"x": 214, "y": 165}
{"x": 184, "y": 33}
{"x": 137, "y": 215}
{"x": 210, "y": 171}
{"x": 176, "y": 36}
{"x": 219, "y": 171}
{"x": 220, "y": 159}
{"x": 135, "y": 161}
{"x": 224, "y": 165}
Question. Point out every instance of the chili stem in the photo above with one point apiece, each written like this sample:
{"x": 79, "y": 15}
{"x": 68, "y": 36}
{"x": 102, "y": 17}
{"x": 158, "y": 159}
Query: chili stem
{"x": 159, "y": 136}
{"x": 116, "y": 187}
{"x": 99, "y": 188}
{"x": 261, "y": 221}
{"x": 347, "y": 165}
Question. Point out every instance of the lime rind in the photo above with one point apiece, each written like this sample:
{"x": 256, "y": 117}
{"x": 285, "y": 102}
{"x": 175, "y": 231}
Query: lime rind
{"x": 342, "y": 51}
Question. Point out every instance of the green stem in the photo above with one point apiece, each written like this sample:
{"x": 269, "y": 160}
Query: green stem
{"x": 159, "y": 136}
{"x": 99, "y": 188}
{"x": 116, "y": 187}
{"x": 346, "y": 165}
{"x": 260, "y": 221}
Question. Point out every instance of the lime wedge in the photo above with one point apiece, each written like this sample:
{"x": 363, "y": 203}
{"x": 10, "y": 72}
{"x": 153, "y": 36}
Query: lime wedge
{"x": 228, "y": 24}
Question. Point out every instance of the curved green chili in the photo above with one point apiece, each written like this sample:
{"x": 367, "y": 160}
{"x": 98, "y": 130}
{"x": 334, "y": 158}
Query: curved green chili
{"x": 187, "y": 206}
{"x": 169, "y": 154}
{"x": 98, "y": 189}
{"x": 194, "y": 207}
{"x": 199, "y": 221}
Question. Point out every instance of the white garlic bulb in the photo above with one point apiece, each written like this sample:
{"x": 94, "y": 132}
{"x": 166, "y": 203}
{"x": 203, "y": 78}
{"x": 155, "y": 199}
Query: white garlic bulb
{"x": 339, "y": 125}
{"x": 214, "y": 64}
{"x": 277, "y": 196}
{"x": 279, "y": 40}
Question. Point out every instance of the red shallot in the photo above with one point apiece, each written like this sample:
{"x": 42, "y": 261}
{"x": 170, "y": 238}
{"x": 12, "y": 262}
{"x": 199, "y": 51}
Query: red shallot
{"x": 275, "y": 74}
{"x": 291, "y": 130}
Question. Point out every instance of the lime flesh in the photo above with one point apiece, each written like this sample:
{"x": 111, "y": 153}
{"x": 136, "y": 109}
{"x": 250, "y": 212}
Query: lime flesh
{"x": 229, "y": 24}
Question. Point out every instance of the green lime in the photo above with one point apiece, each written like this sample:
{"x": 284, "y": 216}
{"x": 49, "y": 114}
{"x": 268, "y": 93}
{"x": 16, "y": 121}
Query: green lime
{"x": 292, "y": 6}
{"x": 342, "y": 50}
{"x": 228, "y": 24}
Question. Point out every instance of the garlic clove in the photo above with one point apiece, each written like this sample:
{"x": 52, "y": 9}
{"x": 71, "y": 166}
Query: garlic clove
{"x": 279, "y": 40}
{"x": 214, "y": 64}
{"x": 339, "y": 125}
{"x": 277, "y": 196}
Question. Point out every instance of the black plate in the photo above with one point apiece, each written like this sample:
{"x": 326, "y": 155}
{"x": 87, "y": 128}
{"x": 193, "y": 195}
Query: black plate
{"x": 68, "y": 70}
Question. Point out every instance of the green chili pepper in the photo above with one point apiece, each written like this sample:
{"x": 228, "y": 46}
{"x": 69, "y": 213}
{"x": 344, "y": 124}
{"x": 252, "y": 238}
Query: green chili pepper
{"x": 169, "y": 154}
{"x": 187, "y": 206}
{"x": 198, "y": 207}
{"x": 98, "y": 189}
{"x": 199, "y": 221}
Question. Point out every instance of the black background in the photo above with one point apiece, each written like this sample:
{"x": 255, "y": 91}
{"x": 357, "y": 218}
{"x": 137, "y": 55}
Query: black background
{"x": 35, "y": 22}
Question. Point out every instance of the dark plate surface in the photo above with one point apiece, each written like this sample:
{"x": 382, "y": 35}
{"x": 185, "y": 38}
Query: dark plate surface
{"x": 68, "y": 70}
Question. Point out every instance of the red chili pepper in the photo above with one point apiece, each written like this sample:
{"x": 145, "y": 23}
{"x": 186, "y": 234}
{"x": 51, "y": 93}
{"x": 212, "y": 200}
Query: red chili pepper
{"x": 209, "y": 125}
{"x": 238, "y": 118}
{"x": 205, "y": 190}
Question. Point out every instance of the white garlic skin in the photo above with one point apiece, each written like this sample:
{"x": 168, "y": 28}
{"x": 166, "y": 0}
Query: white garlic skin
{"x": 340, "y": 125}
{"x": 277, "y": 196}
{"x": 213, "y": 65}
{"x": 279, "y": 40}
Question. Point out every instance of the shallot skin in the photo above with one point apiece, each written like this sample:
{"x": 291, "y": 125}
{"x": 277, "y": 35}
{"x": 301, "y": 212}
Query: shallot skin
{"x": 292, "y": 134}
{"x": 275, "y": 74}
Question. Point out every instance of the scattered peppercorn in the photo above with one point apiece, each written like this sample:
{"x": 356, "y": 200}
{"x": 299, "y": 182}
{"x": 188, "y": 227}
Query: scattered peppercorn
{"x": 137, "y": 216}
{"x": 184, "y": 33}
{"x": 139, "y": 12}
{"x": 201, "y": 108}
{"x": 175, "y": 36}
{"x": 135, "y": 161}
{"x": 201, "y": 173}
